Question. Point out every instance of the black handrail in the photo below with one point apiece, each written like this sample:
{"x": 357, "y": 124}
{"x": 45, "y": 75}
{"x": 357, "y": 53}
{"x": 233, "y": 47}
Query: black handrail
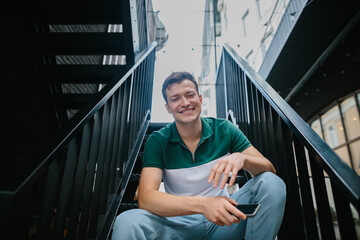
{"x": 290, "y": 143}
{"x": 86, "y": 164}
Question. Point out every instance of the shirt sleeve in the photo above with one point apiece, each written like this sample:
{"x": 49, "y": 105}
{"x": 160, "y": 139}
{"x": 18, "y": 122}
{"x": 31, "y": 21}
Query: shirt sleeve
{"x": 153, "y": 156}
{"x": 238, "y": 141}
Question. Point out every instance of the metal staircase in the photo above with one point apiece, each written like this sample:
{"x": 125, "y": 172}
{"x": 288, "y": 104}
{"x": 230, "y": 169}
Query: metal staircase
{"x": 130, "y": 196}
{"x": 85, "y": 44}
{"x": 100, "y": 68}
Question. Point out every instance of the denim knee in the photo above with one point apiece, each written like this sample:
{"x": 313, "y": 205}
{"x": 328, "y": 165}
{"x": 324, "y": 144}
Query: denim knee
{"x": 274, "y": 186}
{"x": 128, "y": 223}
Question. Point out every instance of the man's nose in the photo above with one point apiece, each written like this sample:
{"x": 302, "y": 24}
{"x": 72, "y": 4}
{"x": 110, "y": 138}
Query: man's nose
{"x": 185, "y": 101}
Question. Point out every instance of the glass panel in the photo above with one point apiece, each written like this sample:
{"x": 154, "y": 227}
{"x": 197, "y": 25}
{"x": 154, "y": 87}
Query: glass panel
{"x": 315, "y": 125}
{"x": 355, "y": 154}
{"x": 351, "y": 118}
{"x": 333, "y": 129}
{"x": 343, "y": 154}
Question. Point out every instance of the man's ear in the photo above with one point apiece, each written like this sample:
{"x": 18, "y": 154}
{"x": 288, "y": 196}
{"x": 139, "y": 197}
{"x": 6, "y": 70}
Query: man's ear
{"x": 200, "y": 98}
{"x": 167, "y": 108}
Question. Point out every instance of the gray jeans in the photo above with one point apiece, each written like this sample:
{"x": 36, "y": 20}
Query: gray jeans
{"x": 267, "y": 189}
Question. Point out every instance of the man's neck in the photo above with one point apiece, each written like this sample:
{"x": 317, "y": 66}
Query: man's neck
{"x": 191, "y": 131}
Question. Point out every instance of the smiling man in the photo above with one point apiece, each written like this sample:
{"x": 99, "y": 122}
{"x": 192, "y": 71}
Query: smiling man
{"x": 195, "y": 156}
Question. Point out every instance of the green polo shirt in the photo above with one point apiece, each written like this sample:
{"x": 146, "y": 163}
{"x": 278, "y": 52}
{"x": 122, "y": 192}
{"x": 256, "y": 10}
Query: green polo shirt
{"x": 165, "y": 149}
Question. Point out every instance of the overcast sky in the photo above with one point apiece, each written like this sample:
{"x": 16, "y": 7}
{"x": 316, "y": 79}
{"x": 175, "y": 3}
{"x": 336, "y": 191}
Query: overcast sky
{"x": 183, "y": 21}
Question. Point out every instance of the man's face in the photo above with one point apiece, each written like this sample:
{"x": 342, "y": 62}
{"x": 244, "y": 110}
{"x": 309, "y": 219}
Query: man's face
{"x": 184, "y": 103}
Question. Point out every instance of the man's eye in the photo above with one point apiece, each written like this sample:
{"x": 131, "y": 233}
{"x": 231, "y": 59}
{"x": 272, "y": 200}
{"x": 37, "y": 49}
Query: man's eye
{"x": 174, "y": 99}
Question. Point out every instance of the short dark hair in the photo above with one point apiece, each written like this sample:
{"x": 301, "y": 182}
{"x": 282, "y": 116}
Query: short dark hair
{"x": 177, "y": 77}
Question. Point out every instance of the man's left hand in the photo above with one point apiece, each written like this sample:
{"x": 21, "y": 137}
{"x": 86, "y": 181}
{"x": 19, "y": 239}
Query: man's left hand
{"x": 229, "y": 164}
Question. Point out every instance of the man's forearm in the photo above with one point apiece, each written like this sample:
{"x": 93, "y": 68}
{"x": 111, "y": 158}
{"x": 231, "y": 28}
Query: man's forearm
{"x": 257, "y": 165}
{"x": 168, "y": 205}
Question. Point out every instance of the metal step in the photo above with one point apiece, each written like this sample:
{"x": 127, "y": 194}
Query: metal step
{"x": 85, "y": 73}
{"x": 72, "y": 101}
{"x": 156, "y": 126}
{"x": 83, "y": 12}
{"x": 87, "y": 44}
{"x": 128, "y": 206}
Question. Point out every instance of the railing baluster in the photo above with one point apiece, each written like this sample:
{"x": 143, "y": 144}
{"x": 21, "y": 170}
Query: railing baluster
{"x": 264, "y": 130}
{"x": 286, "y": 228}
{"x": 66, "y": 188}
{"x": 253, "y": 130}
{"x": 258, "y": 125}
{"x": 280, "y": 134}
{"x": 96, "y": 205}
{"x": 235, "y": 89}
{"x": 246, "y": 106}
{"x": 48, "y": 202}
{"x": 220, "y": 90}
{"x": 79, "y": 182}
{"x": 90, "y": 175}
{"x": 305, "y": 188}
{"x": 123, "y": 154}
{"x": 344, "y": 216}
{"x": 229, "y": 77}
{"x": 130, "y": 114}
{"x": 242, "y": 118}
{"x": 115, "y": 149}
{"x": 322, "y": 201}
{"x": 270, "y": 126}
{"x": 293, "y": 197}
{"x": 108, "y": 151}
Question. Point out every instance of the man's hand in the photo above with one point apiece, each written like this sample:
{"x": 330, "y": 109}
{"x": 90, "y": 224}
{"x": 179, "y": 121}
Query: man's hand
{"x": 226, "y": 165}
{"x": 222, "y": 211}
{"x": 250, "y": 159}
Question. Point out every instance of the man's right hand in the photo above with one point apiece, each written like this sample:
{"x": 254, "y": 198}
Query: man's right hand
{"x": 222, "y": 211}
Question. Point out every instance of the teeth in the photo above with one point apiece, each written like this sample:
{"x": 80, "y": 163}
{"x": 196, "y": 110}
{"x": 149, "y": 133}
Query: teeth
{"x": 186, "y": 111}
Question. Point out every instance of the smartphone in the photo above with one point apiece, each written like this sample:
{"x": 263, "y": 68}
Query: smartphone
{"x": 250, "y": 210}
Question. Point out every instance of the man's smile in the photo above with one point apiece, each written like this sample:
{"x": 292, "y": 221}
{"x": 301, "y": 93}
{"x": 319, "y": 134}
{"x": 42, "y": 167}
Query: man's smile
{"x": 187, "y": 110}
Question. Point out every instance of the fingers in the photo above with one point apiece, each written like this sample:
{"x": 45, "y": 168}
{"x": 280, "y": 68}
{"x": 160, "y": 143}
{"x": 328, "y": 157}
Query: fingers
{"x": 223, "y": 167}
{"x": 212, "y": 172}
{"x": 233, "y": 178}
{"x": 233, "y": 215}
{"x": 222, "y": 211}
{"x": 232, "y": 201}
{"x": 216, "y": 172}
{"x": 225, "y": 175}
{"x": 236, "y": 212}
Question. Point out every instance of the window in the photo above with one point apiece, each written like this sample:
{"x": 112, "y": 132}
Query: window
{"x": 339, "y": 126}
{"x": 351, "y": 118}
{"x": 249, "y": 55}
{"x": 258, "y": 7}
{"x": 265, "y": 43}
{"x": 333, "y": 128}
{"x": 244, "y": 20}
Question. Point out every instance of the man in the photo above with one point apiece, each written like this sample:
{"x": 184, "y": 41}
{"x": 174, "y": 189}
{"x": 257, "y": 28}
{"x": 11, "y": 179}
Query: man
{"x": 195, "y": 156}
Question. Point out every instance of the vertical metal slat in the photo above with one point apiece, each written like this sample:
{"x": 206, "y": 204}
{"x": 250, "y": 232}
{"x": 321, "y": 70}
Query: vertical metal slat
{"x": 48, "y": 202}
{"x": 322, "y": 201}
{"x": 79, "y": 182}
{"x": 108, "y": 151}
{"x": 99, "y": 172}
{"x": 344, "y": 215}
{"x": 305, "y": 188}
{"x": 66, "y": 189}
{"x": 90, "y": 176}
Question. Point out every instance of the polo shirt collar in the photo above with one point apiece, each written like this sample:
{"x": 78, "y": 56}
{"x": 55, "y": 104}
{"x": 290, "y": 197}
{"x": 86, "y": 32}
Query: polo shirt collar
{"x": 206, "y": 131}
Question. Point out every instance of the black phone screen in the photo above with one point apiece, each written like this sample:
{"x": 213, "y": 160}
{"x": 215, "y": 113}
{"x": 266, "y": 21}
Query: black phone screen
{"x": 249, "y": 209}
